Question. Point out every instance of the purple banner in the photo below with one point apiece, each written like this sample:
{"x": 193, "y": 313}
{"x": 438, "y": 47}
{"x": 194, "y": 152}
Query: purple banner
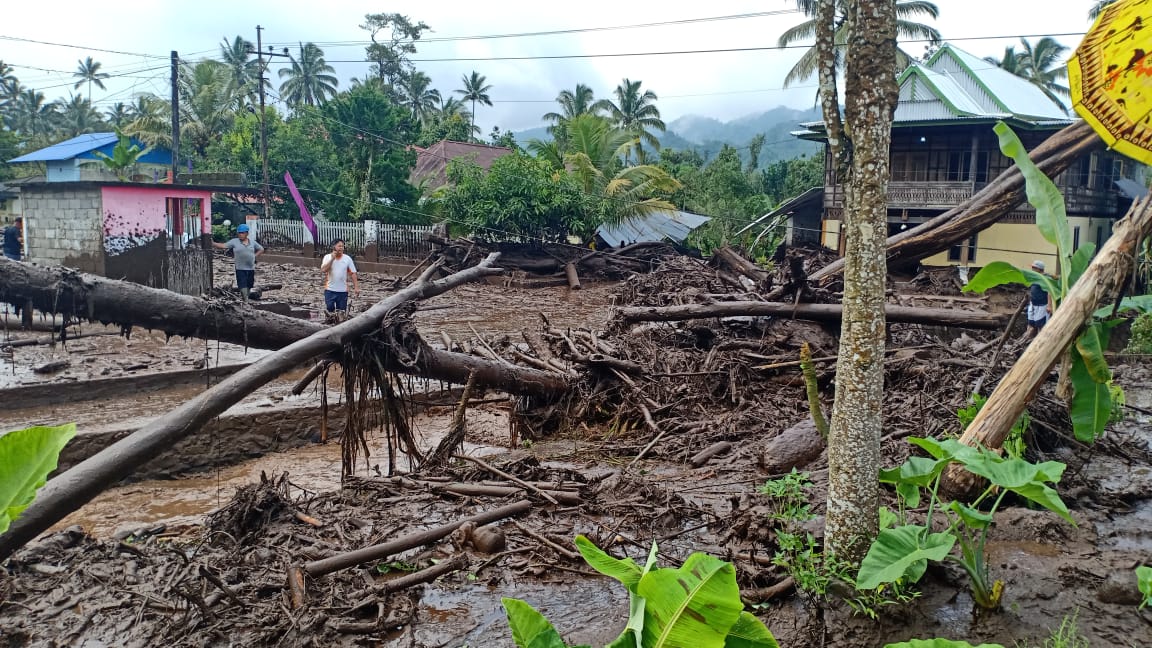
{"x": 304, "y": 215}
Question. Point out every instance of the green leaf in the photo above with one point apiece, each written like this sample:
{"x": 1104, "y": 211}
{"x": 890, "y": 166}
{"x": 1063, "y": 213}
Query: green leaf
{"x": 1051, "y": 217}
{"x": 1023, "y": 478}
{"x": 1144, "y": 582}
{"x": 888, "y": 518}
{"x": 1091, "y": 404}
{"x": 529, "y": 628}
{"x": 626, "y": 571}
{"x": 1139, "y": 303}
{"x": 920, "y": 471}
{"x": 1081, "y": 258}
{"x": 695, "y": 605}
{"x": 899, "y": 552}
{"x": 1091, "y": 345}
{"x": 938, "y": 643}
{"x": 26, "y": 458}
{"x": 997, "y": 273}
{"x": 749, "y": 632}
{"x": 973, "y": 518}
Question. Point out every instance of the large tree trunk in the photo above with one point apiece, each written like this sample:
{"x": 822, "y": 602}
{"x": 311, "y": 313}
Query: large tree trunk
{"x": 986, "y": 206}
{"x": 1101, "y": 282}
{"x": 817, "y": 312}
{"x": 854, "y": 437}
{"x": 83, "y": 296}
{"x": 73, "y": 488}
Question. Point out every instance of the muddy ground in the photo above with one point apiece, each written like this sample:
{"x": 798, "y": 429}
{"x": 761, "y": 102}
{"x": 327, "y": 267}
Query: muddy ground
{"x": 202, "y": 559}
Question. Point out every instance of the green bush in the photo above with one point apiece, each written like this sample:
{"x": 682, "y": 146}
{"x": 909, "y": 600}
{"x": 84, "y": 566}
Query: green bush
{"x": 1141, "y": 340}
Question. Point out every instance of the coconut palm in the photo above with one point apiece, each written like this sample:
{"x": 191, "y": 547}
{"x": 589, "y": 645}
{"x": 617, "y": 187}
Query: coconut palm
{"x": 582, "y": 101}
{"x": 118, "y": 115}
{"x": 475, "y": 90}
{"x": 77, "y": 116}
{"x": 310, "y": 81}
{"x": 150, "y": 120}
{"x": 421, "y": 99}
{"x": 32, "y": 114}
{"x": 1097, "y": 8}
{"x": 243, "y": 67}
{"x": 208, "y": 102}
{"x": 1042, "y": 64}
{"x": 595, "y": 147}
{"x": 89, "y": 72}
{"x": 905, "y": 28}
{"x": 636, "y": 113}
{"x": 7, "y": 80}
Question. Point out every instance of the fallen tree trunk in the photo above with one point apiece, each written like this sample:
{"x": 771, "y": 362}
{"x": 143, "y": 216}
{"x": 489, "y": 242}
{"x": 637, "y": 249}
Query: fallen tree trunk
{"x": 73, "y": 488}
{"x": 986, "y": 206}
{"x": 739, "y": 264}
{"x": 817, "y": 312}
{"x": 83, "y": 296}
{"x": 1100, "y": 282}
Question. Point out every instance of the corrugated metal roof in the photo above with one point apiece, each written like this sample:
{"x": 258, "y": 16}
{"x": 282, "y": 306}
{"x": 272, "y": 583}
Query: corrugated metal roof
{"x": 1020, "y": 96}
{"x": 69, "y": 149}
{"x": 658, "y": 226}
{"x": 948, "y": 90}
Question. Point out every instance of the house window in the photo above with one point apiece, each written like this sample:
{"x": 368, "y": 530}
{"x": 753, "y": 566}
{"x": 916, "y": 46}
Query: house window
{"x": 963, "y": 252}
{"x": 1075, "y": 238}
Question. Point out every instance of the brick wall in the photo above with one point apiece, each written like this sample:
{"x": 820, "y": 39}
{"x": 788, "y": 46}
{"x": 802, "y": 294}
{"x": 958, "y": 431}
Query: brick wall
{"x": 64, "y": 227}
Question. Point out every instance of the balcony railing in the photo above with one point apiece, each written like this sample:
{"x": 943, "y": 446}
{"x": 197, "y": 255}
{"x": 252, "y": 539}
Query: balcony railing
{"x": 914, "y": 195}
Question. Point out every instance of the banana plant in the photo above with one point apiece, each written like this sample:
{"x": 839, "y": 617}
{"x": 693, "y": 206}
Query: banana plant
{"x": 26, "y": 458}
{"x": 1144, "y": 583}
{"x": 1091, "y": 404}
{"x": 901, "y": 553}
{"x": 696, "y": 605}
{"x": 124, "y": 156}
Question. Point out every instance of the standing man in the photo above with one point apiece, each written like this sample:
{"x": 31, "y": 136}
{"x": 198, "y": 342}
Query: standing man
{"x": 244, "y": 253}
{"x": 1039, "y": 304}
{"x": 338, "y": 268}
{"x": 14, "y": 240}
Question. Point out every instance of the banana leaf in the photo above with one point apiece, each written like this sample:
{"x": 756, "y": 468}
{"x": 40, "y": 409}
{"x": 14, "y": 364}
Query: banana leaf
{"x": 26, "y": 458}
{"x": 529, "y": 628}
{"x": 695, "y": 605}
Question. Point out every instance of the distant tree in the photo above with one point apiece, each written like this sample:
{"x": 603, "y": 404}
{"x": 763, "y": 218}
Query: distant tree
{"x": 506, "y": 139}
{"x": 89, "y": 72}
{"x": 787, "y": 179}
{"x": 117, "y": 115}
{"x": 8, "y": 80}
{"x": 636, "y": 113}
{"x": 77, "y": 116}
{"x": 445, "y": 126}
{"x": 905, "y": 28}
{"x": 243, "y": 68}
{"x": 420, "y": 97}
{"x": 309, "y": 81}
{"x": 1010, "y": 62}
{"x": 475, "y": 90}
{"x": 581, "y": 101}
{"x": 32, "y": 114}
{"x": 394, "y": 39}
{"x": 1097, "y": 8}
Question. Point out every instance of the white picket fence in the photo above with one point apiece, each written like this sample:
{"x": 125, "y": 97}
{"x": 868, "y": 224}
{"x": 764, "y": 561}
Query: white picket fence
{"x": 409, "y": 241}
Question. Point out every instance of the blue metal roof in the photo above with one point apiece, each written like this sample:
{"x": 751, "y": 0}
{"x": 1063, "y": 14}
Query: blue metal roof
{"x": 83, "y": 147}
{"x": 653, "y": 227}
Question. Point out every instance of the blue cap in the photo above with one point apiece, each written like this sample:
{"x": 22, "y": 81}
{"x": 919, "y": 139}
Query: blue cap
{"x": 242, "y": 228}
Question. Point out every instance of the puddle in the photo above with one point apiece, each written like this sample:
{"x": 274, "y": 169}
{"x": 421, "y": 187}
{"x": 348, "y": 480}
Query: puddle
{"x": 1129, "y": 532}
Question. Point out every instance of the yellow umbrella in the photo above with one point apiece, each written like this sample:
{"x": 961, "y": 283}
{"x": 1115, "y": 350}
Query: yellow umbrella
{"x": 1110, "y": 77}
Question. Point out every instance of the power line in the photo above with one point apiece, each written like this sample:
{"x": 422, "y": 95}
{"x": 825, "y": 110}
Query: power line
{"x": 80, "y": 47}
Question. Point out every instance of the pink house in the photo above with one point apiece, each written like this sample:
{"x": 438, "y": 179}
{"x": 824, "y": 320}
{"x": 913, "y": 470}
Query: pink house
{"x": 155, "y": 234}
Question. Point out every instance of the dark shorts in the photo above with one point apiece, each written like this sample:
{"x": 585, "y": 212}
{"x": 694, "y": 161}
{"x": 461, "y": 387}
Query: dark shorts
{"x": 1037, "y": 324}
{"x": 245, "y": 278}
{"x": 335, "y": 301}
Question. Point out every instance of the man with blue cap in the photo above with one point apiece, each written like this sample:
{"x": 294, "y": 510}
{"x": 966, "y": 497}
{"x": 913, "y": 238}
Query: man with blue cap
{"x": 244, "y": 253}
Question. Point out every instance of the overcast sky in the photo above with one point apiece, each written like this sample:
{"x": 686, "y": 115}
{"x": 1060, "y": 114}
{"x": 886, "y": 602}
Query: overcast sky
{"x": 724, "y": 85}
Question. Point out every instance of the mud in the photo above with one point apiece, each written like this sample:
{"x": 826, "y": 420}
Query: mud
{"x": 138, "y": 577}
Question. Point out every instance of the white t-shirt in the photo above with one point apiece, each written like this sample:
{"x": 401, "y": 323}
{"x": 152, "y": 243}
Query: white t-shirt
{"x": 338, "y": 272}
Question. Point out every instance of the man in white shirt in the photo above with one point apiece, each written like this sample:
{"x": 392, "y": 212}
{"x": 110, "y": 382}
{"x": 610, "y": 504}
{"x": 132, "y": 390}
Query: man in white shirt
{"x": 338, "y": 268}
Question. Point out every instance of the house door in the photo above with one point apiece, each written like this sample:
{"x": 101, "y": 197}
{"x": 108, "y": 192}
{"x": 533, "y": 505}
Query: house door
{"x": 187, "y": 267}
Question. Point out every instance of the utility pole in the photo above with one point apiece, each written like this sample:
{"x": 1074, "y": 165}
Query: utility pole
{"x": 263, "y": 127}
{"x": 175, "y": 115}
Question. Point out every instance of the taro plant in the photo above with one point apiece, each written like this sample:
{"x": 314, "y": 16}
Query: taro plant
{"x": 901, "y": 553}
{"x": 1091, "y": 404}
{"x": 1013, "y": 443}
{"x": 26, "y": 458}
{"x": 696, "y": 605}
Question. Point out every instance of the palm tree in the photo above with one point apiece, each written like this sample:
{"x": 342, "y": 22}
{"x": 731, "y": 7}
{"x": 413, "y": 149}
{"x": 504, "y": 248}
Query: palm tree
{"x": 595, "y": 147}
{"x": 7, "y": 80}
{"x": 150, "y": 119}
{"x": 243, "y": 67}
{"x": 310, "y": 79}
{"x": 474, "y": 90}
{"x": 1042, "y": 64}
{"x": 422, "y": 100}
{"x": 118, "y": 115}
{"x": 1097, "y": 8}
{"x": 582, "y": 101}
{"x": 77, "y": 116}
{"x": 33, "y": 114}
{"x": 905, "y": 28}
{"x": 636, "y": 113}
{"x": 89, "y": 71}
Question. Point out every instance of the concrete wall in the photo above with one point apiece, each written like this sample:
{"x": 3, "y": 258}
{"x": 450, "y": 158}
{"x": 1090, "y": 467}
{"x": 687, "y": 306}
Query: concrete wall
{"x": 63, "y": 227}
{"x": 135, "y": 230}
{"x": 1020, "y": 244}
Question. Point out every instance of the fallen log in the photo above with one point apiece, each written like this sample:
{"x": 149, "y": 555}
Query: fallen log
{"x": 817, "y": 312}
{"x": 570, "y": 274}
{"x": 83, "y": 296}
{"x": 795, "y": 447}
{"x": 706, "y": 455}
{"x": 318, "y": 568}
{"x": 1101, "y": 282}
{"x": 985, "y": 207}
{"x": 73, "y": 488}
{"x": 739, "y": 264}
